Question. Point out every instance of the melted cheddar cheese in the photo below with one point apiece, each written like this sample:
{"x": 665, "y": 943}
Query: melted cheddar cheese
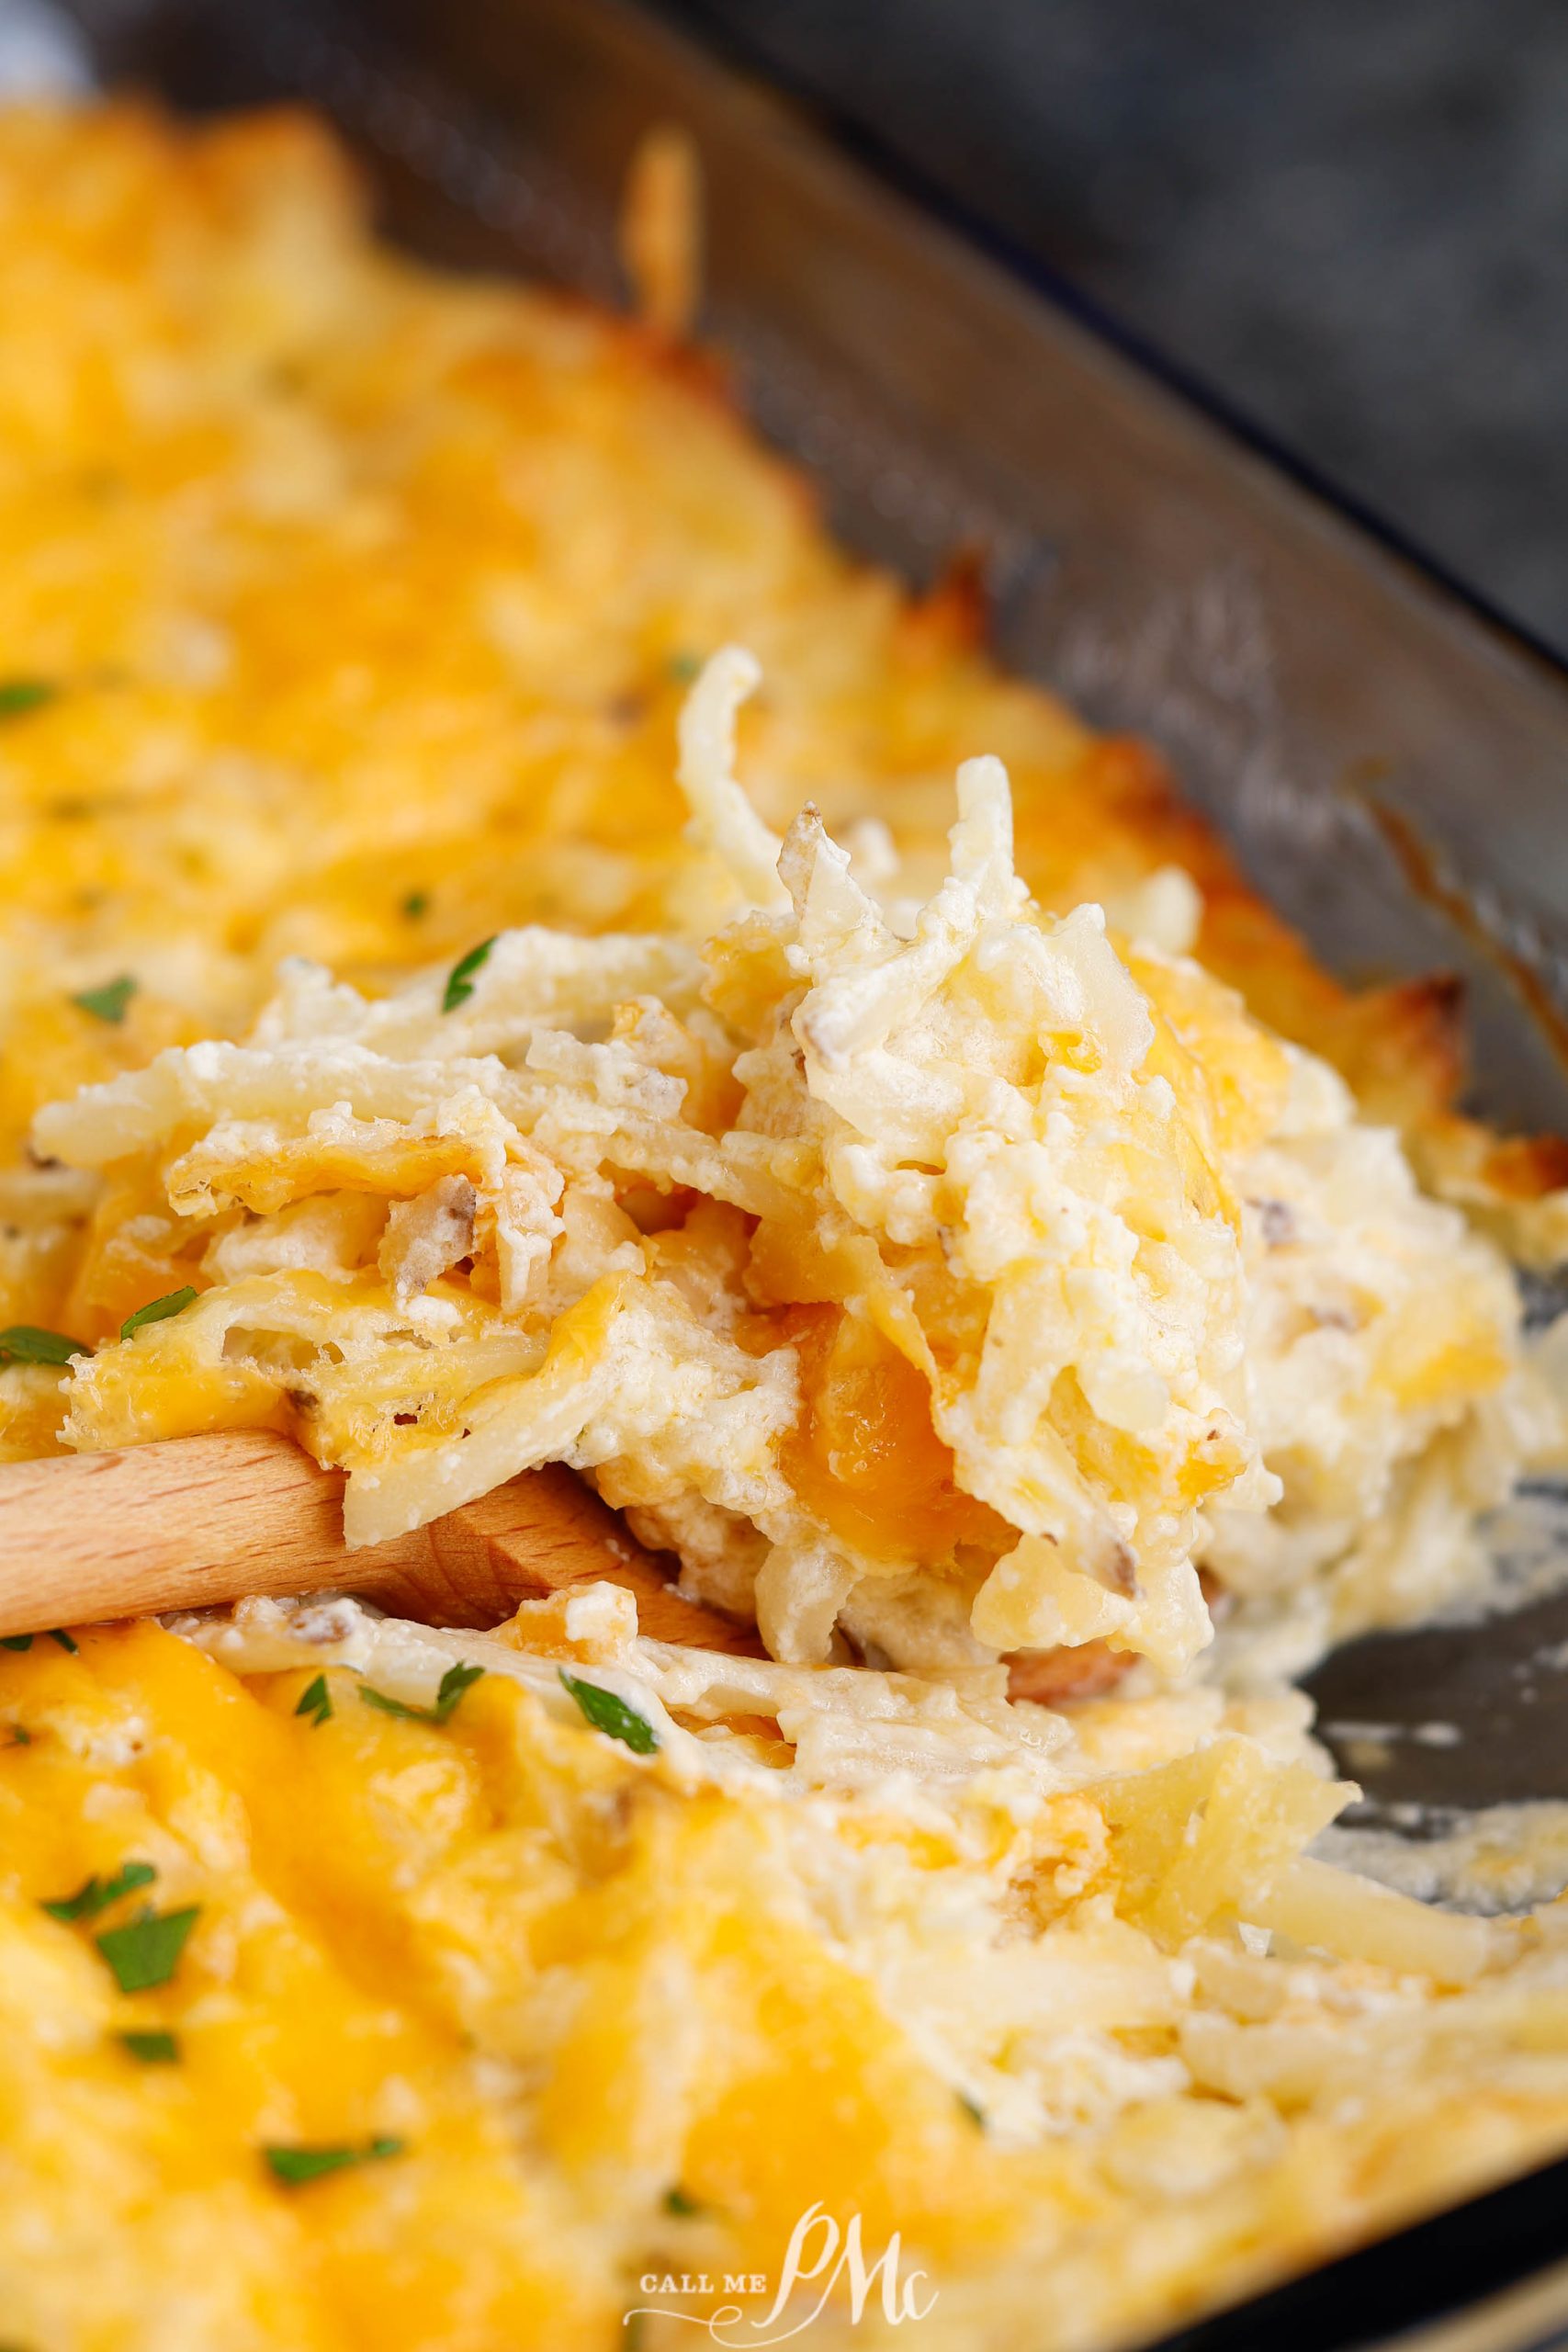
{"x": 943, "y": 1267}
{"x": 596, "y": 2010}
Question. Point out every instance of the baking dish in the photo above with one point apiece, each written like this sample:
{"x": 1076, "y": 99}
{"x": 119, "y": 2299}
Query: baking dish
{"x": 1300, "y": 679}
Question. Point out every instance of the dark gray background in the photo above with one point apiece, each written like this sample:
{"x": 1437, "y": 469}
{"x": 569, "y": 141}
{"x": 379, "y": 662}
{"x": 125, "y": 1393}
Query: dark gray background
{"x": 1350, "y": 215}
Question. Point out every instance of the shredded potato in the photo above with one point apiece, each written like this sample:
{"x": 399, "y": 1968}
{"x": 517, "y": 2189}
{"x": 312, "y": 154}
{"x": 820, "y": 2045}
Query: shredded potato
{"x": 951, "y": 1326}
{"x": 1096, "y": 2039}
{"x": 493, "y": 952}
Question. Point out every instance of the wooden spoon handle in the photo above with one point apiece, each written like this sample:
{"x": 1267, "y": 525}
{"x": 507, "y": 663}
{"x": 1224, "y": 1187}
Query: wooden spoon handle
{"x": 193, "y": 1522}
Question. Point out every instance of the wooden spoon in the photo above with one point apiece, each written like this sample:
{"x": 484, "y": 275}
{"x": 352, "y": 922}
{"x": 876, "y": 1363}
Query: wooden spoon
{"x": 193, "y": 1522}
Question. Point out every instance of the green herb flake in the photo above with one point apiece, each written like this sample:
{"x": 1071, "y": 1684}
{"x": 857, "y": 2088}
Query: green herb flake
{"x": 20, "y": 1736}
{"x": 99, "y": 1893}
{"x": 460, "y": 978}
{"x": 25, "y": 1343}
{"x": 316, "y": 1701}
{"x": 416, "y": 905}
{"x": 453, "y": 1683}
{"x": 391, "y": 1706}
{"x": 683, "y": 667}
{"x": 608, "y": 1713}
{"x": 108, "y": 1003}
{"x": 158, "y": 1310}
{"x": 295, "y": 2166}
{"x": 146, "y": 1953}
{"x": 19, "y": 695}
{"x": 151, "y": 2049}
{"x": 16, "y": 1642}
{"x": 682, "y": 2206}
{"x": 973, "y": 2110}
{"x": 68, "y": 1642}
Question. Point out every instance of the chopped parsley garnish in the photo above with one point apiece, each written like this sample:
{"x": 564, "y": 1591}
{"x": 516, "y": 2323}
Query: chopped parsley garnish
{"x": 109, "y": 1002}
{"x": 416, "y": 904}
{"x": 973, "y": 2110}
{"x": 153, "y": 2049}
{"x": 25, "y": 1343}
{"x": 16, "y": 1642}
{"x": 608, "y": 1713}
{"x": 99, "y": 1893}
{"x": 683, "y": 667}
{"x": 391, "y": 1706}
{"x": 158, "y": 1310}
{"x": 680, "y": 2204}
{"x": 294, "y": 2166}
{"x": 67, "y": 1641}
{"x": 146, "y": 1952}
{"x": 316, "y": 1701}
{"x": 18, "y": 696}
{"x": 453, "y": 1683}
{"x": 20, "y": 1736}
{"x": 460, "y": 978}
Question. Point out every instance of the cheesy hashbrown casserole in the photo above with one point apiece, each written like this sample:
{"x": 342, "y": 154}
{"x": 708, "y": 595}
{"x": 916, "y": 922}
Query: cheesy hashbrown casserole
{"x": 515, "y": 949}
